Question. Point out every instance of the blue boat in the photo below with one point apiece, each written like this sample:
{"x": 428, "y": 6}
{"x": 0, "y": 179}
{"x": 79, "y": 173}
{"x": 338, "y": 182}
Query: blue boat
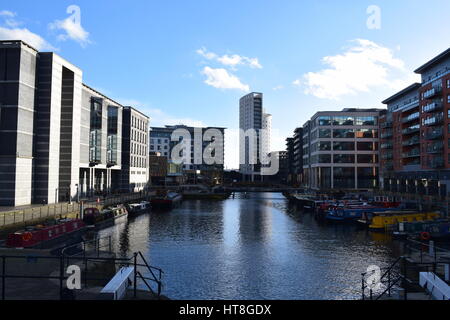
{"x": 351, "y": 213}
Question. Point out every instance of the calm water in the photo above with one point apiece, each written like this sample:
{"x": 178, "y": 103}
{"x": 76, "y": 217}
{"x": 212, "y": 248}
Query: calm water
{"x": 254, "y": 247}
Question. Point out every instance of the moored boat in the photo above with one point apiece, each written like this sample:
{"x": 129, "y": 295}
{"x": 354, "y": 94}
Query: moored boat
{"x": 166, "y": 200}
{"x": 95, "y": 217}
{"x": 351, "y": 212}
{"x": 388, "y": 220}
{"x": 135, "y": 209}
{"x": 45, "y": 235}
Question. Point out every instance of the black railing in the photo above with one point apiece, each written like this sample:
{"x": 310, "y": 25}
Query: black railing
{"x": 61, "y": 262}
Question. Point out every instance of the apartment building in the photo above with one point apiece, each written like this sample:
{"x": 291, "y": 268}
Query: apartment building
{"x": 252, "y": 117}
{"x": 415, "y": 133}
{"x": 59, "y": 138}
{"x": 340, "y": 150}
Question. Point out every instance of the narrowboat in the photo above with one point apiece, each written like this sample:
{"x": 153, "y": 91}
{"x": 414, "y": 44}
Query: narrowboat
{"x": 135, "y": 209}
{"x": 424, "y": 230}
{"x": 46, "y": 235}
{"x": 351, "y": 212}
{"x": 166, "y": 200}
{"x": 386, "y": 221}
{"x": 95, "y": 218}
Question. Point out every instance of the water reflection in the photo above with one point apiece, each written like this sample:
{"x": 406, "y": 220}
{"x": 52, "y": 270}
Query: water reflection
{"x": 253, "y": 247}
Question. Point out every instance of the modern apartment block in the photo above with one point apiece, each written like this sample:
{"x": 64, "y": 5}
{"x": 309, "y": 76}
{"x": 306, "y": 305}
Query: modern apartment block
{"x": 340, "y": 150}
{"x": 255, "y": 126}
{"x": 294, "y": 149}
{"x": 135, "y": 154}
{"x": 194, "y": 163}
{"x": 58, "y": 137}
{"x": 415, "y": 132}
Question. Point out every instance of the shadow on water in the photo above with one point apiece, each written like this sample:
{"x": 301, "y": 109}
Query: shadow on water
{"x": 255, "y": 246}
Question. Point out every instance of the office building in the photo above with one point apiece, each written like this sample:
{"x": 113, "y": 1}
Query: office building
{"x": 135, "y": 133}
{"x": 340, "y": 150}
{"x": 59, "y": 138}
{"x": 193, "y": 163}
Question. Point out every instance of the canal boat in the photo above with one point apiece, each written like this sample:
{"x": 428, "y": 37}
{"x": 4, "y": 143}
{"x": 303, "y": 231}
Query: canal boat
{"x": 93, "y": 217}
{"x": 438, "y": 229}
{"x": 46, "y": 235}
{"x": 388, "y": 221}
{"x": 166, "y": 200}
{"x": 352, "y": 212}
{"x": 135, "y": 209}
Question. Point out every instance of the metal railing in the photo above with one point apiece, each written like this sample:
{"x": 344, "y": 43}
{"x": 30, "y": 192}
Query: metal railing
{"x": 36, "y": 213}
{"x": 142, "y": 271}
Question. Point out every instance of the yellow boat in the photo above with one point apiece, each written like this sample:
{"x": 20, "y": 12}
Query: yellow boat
{"x": 382, "y": 222}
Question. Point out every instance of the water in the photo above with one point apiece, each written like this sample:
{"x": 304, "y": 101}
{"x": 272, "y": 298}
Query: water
{"x": 252, "y": 247}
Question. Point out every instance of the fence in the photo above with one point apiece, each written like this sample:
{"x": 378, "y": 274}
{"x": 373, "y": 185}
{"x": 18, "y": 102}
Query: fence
{"x": 23, "y": 216}
{"x": 35, "y": 213}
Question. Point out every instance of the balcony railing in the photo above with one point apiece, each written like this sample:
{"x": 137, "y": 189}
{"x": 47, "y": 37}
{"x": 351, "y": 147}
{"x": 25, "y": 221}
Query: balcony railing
{"x": 386, "y": 125}
{"x": 386, "y": 146}
{"x": 437, "y": 162}
{"x": 411, "y": 129}
{"x": 433, "y": 120}
{"x": 432, "y": 92}
{"x": 412, "y": 154}
{"x": 411, "y": 142}
{"x": 388, "y": 166}
{"x": 386, "y": 134}
{"x": 411, "y": 117}
{"x": 434, "y": 106}
{"x": 436, "y": 147}
{"x": 434, "y": 134}
{"x": 387, "y": 156}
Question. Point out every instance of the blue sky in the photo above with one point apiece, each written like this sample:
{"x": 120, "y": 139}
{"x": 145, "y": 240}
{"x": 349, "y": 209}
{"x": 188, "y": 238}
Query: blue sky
{"x": 191, "y": 61}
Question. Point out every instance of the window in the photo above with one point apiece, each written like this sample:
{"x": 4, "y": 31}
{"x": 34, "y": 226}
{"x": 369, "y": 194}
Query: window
{"x": 324, "y": 158}
{"x": 367, "y": 158}
{"x": 343, "y": 133}
{"x": 344, "y": 146}
{"x": 324, "y": 133}
{"x": 448, "y": 83}
{"x": 324, "y": 146}
{"x": 448, "y": 98}
{"x": 324, "y": 121}
{"x": 344, "y": 158}
{"x": 366, "y": 121}
{"x": 343, "y": 121}
{"x": 367, "y": 146}
{"x": 366, "y": 133}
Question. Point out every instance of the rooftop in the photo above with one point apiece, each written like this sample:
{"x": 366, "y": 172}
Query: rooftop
{"x": 433, "y": 61}
{"x": 403, "y": 92}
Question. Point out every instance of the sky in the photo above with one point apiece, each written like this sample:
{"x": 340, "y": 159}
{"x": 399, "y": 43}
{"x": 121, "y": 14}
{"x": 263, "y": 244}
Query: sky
{"x": 190, "y": 61}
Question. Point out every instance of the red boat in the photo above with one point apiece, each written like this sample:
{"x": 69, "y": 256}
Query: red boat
{"x": 36, "y": 235}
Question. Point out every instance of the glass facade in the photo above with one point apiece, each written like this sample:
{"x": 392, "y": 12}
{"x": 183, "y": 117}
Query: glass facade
{"x": 344, "y": 133}
{"x": 95, "y": 136}
{"x": 344, "y": 146}
{"x": 112, "y": 140}
{"x": 344, "y": 178}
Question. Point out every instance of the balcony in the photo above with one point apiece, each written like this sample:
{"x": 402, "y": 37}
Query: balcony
{"x": 436, "y": 147}
{"x": 434, "y": 134}
{"x": 387, "y": 156}
{"x": 412, "y": 129}
{"x": 432, "y": 92}
{"x": 432, "y": 107}
{"x": 409, "y": 106}
{"x": 412, "y": 154}
{"x": 412, "y": 117}
{"x": 387, "y": 134}
{"x": 386, "y": 145}
{"x": 437, "y": 162}
{"x": 388, "y": 166}
{"x": 386, "y": 125}
{"x": 411, "y": 142}
{"x": 433, "y": 121}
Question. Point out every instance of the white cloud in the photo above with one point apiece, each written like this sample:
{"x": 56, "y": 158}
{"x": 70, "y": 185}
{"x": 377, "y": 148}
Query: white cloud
{"x": 72, "y": 27}
{"x": 364, "y": 66}
{"x": 279, "y": 87}
{"x": 6, "y": 13}
{"x": 296, "y": 82}
{"x": 27, "y": 36}
{"x": 221, "y": 79}
{"x": 230, "y": 60}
